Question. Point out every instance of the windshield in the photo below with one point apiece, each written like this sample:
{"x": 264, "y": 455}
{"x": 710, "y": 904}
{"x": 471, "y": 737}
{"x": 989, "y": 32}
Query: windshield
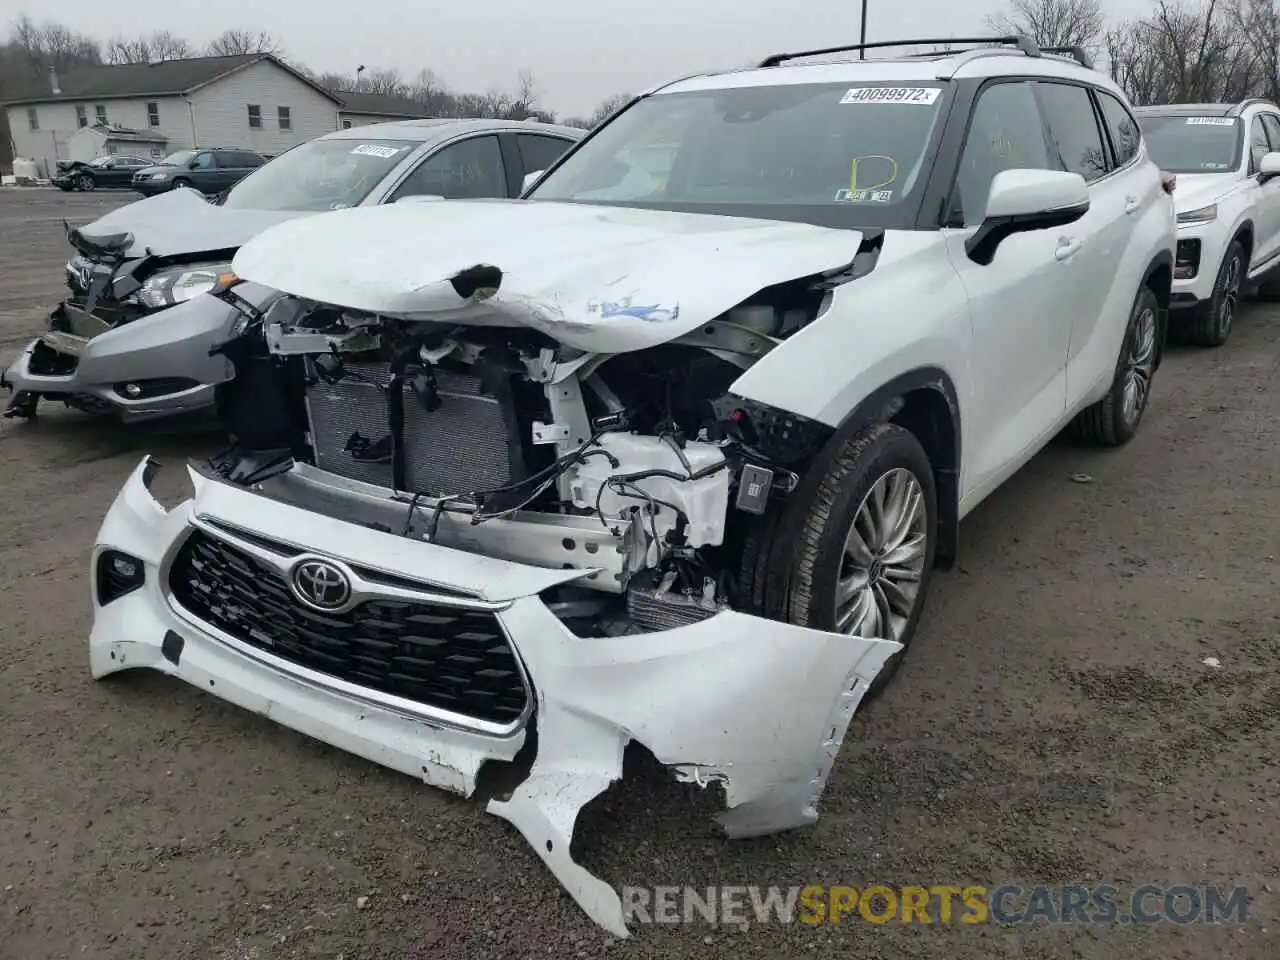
{"x": 830, "y": 154}
{"x": 319, "y": 175}
{"x": 1182, "y": 144}
{"x": 179, "y": 159}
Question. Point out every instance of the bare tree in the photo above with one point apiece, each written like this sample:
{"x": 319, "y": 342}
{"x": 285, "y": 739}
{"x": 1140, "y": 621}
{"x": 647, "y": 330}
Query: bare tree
{"x": 524, "y": 102}
{"x": 1052, "y": 23}
{"x": 1258, "y": 23}
{"x": 606, "y": 108}
{"x": 161, "y": 45}
{"x": 238, "y": 42}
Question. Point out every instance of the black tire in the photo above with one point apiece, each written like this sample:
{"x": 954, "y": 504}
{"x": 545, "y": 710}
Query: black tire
{"x": 86, "y": 182}
{"x": 1108, "y": 422}
{"x": 179, "y": 183}
{"x": 791, "y": 565}
{"x": 1211, "y": 321}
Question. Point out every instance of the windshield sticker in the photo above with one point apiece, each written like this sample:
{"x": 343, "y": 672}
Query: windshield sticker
{"x": 1210, "y": 165}
{"x": 872, "y": 172}
{"x": 375, "y": 150}
{"x": 864, "y": 196}
{"x": 923, "y": 96}
{"x": 1211, "y": 121}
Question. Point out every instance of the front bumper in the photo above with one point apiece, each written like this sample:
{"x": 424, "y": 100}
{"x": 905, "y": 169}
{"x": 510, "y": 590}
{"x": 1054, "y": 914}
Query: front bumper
{"x": 153, "y": 367}
{"x": 1203, "y": 244}
{"x": 758, "y": 706}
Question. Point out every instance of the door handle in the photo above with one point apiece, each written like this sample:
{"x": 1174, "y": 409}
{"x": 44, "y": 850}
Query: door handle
{"x": 1131, "y": 204}
{"x": 1067, "y": 248}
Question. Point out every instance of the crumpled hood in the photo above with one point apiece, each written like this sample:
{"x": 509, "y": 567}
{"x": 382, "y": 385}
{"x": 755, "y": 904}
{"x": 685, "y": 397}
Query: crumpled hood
{"x": 601, "y": 279}
{"x": 182, "y": 222}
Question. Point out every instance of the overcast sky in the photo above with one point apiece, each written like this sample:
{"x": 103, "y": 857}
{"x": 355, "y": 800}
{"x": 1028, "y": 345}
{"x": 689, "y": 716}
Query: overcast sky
{"x": 580, "y": 51}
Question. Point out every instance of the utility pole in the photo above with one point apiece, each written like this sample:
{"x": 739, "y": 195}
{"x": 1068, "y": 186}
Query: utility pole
{"x": 862, "y": 37}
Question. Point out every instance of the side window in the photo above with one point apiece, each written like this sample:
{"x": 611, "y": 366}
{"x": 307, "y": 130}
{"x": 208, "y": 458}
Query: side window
{"x": 1125, "y": 136}
{"x": 1271, "y": 123}
{"x": 538, "y": 153}
{"x": 202, "y": 161}
{"x": 466, "y": 170}
{"x": 225, "y": 159}
{"x": 1005, "y": 133}
{"x": 1258, "y": 145}
{"x": 1073, "y": 129}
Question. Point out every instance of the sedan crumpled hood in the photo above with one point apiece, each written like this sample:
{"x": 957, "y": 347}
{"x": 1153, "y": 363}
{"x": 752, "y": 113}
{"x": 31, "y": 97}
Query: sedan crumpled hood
{"x": 182, "y": 222}
{"x": 600, "y": 279}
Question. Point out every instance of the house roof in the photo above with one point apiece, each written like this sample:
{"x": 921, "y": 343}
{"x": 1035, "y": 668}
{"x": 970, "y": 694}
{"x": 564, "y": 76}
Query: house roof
{"x": 379, "y": 104}
{"x": 168, "y": 78}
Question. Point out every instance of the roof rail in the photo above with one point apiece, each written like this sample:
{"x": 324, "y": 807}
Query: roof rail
{"x": 1077, "y": 54}
{"x": 1245, "y": 104}
{"x": 1025, "y": 44}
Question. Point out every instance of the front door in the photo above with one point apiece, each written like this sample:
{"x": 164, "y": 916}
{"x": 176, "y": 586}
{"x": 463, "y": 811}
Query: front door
{"x": 1021, "y": 302}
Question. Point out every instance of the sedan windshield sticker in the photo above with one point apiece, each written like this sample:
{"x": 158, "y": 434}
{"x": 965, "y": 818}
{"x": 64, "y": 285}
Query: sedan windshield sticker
{"x": 864, "y": 196}
{"x": 375, "y": 150}
{"x": 918, "y": 95}
{"x": 1211, "y": 121}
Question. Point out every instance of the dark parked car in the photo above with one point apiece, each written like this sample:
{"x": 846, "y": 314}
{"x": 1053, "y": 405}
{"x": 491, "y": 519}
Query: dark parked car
{"x": 210, "y": 170}
{"x": 98, "y": 172}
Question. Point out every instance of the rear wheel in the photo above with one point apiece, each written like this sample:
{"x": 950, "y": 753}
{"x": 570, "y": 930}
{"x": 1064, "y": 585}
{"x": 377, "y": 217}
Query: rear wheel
{"x": 1212, "y": 320}
{"x": 858, "y": 558}
{"x": 1114, "y": 419}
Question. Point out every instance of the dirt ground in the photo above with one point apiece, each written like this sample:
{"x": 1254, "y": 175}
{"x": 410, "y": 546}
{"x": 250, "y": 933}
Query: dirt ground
{"x": 1055, "y": 723}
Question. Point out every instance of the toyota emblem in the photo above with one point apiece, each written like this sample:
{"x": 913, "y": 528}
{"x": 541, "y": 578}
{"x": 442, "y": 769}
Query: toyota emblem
{"x": 321, "y": 584}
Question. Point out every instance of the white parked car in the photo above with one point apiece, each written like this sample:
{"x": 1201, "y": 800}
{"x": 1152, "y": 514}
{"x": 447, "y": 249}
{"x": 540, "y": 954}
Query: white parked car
{"x": 666, "y": 451}
{"x": 1226, "y": 158}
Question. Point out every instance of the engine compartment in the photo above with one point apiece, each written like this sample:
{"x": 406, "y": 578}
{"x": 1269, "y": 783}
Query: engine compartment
{"x": 641, "y": 468}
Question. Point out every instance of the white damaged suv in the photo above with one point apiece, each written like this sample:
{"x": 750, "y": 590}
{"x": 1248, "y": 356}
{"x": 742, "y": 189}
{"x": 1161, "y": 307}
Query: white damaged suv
{"x": 665, "y": 453}
{"x": 1226, "y": 158}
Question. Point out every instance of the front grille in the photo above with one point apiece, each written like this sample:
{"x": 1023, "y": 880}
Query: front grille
{"x": 461, "y": 447}
{"x": 432, "y": 654}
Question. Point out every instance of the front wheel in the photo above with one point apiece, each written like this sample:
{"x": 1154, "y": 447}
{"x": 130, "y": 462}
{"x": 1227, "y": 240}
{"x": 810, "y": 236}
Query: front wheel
{"x": 85, "y": 182}
{"x": 859, "y": 559}
{"x": 1212, "y": 320}
{"x": 1114, "y": 419}
{"x": 180, "y": 183}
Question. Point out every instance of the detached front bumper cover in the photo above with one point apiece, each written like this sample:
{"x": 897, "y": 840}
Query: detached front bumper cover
{"x": 758, "y": 706}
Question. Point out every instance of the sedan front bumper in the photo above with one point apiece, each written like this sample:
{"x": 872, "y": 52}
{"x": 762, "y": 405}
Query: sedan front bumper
{"x": 758, "y": 706}
{"x": 152, "y": 367}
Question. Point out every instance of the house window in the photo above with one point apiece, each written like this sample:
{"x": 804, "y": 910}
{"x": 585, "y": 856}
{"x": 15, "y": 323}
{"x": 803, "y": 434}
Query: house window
{"x": 153, "y": 114}
{"x": 33, "y": 118}
{"x": 255, "y": 117}
{"x": 82, "y": 116}
{"x": 346, "y": 124}
{"x": 100, "y": 114}
{"x": 286, "y": 121}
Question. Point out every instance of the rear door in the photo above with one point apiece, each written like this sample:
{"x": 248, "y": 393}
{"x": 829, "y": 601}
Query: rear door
{"x": 123, "y": 169}
{"x": 538, "y": 151}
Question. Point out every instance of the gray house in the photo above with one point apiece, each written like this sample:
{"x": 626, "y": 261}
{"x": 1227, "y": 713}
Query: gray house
{"x": 252, "y": 101}
{"x": 359, "y": 109}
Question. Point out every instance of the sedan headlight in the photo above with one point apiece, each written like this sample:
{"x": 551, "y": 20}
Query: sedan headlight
{"x": 157, "y": 176}
{"x": 180, "y": 284}
{"x": 1199, "y": 215}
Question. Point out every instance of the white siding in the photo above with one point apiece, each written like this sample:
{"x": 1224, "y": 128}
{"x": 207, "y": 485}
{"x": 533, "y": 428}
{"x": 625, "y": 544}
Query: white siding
{"x": 222, "y": 110}
{"x": 58, "y": 122}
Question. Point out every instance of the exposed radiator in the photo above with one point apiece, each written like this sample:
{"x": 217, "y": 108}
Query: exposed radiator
{"x": 461, "y": 447}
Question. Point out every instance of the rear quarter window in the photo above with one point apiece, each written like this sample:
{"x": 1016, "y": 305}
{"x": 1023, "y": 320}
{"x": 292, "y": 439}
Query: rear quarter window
{"x": 1122, "y": 127}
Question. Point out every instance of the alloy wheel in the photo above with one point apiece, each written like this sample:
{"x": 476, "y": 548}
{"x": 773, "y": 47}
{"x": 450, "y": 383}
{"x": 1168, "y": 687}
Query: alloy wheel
{"x": 884, "y": 556}
{"x": 1230, "y": 298}
{"x": 1140, "y": 365}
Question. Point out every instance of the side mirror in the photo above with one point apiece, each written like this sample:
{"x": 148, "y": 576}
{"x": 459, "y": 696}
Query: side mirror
{"x": 530, "y": 179}
{"x": 1022, "y": 200}
{"x": 1269, "y": 169}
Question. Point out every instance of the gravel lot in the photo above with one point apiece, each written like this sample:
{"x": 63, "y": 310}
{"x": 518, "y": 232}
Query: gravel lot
{"x": 1054, "y": 724}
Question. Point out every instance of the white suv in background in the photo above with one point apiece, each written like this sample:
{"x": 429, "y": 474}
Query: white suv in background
{"x": 1226, "y": 158}
{"x": 665, "y": 452}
